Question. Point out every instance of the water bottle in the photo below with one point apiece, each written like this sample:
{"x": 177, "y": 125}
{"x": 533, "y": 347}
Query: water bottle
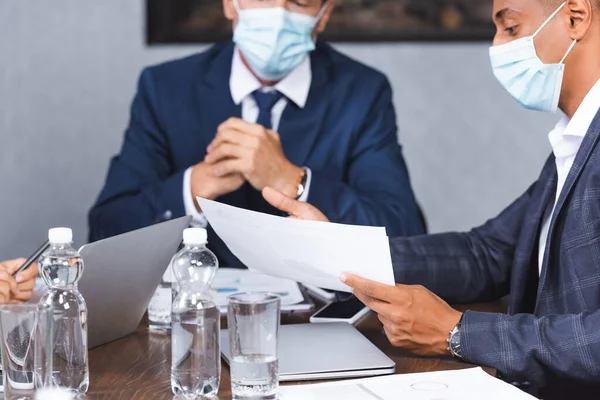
{"x": 159, "y": 309}
{"x": 61, "y": 268}
{"x": 195, "y": 320}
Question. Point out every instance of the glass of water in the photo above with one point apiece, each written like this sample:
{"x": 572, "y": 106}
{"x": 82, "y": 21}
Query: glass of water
{"x": 253, "y": 323}
{"x": 27, "y": 340}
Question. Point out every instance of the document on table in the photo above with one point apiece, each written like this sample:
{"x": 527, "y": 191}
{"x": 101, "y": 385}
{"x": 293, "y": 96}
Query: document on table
{"x": 469, "y": 384}
{"x": 309, "y": 252}
{"x": 230, "y": 281}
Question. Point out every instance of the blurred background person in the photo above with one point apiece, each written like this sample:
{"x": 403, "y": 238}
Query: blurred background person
{"x": 274, "y": 107}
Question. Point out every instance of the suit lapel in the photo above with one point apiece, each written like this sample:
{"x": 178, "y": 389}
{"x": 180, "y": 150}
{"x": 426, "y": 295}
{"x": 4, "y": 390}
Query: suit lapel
{"x": 525, "y": 274}
{"x": 587, "y": 146}
{"x": 215, "y": 104}
{"x": 299, "y": 128}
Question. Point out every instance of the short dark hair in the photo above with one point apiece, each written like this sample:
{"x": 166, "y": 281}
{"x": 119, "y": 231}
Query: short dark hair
{"x": 554, "y": 4}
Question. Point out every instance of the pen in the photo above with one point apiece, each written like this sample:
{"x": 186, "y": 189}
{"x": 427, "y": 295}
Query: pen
{"x": 32, "y": 258}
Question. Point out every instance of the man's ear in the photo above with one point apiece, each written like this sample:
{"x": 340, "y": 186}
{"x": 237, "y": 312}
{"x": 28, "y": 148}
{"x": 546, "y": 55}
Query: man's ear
{"x": 229, "y": 10}
{"x": 580, "y": 14}
{"x": 326, "y": 15}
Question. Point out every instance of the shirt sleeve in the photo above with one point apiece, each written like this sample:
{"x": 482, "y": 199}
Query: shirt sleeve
{"x": 199, "y": 220}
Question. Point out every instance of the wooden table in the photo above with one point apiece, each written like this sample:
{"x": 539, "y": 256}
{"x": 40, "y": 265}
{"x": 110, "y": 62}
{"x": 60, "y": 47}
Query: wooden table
{"x": 138, "y": 366}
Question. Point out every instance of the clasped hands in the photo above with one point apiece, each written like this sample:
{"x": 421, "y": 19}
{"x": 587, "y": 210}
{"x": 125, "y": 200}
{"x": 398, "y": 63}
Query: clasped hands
{"x": 413, "y": 317}
{"x": 244, "y": 152}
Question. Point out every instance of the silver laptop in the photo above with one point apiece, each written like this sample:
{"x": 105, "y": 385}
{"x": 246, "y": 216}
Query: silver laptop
{"x": 324, "y": 351}
{"x": 121, "y": 274}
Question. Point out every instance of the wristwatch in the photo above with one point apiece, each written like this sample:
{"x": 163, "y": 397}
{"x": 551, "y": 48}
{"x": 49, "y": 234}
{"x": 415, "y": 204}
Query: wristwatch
{"x": 454, "y": 341}
{"x": 302, "y": 183}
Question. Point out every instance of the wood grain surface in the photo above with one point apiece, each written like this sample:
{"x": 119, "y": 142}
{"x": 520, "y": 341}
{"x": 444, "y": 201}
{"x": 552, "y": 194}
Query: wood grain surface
{"x": 138, "y": 366}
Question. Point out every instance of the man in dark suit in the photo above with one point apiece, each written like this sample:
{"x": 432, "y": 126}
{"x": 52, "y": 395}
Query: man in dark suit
{"x": 272, "y": 109}
{"x": 544, "y": 249}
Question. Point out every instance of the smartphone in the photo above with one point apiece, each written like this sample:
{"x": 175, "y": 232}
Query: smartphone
{"x": 349, "y": 311}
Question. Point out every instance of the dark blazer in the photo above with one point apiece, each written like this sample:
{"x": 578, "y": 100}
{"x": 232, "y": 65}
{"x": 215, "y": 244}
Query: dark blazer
{"x": 551, "y": 337}
{"x": 346, "y": 134}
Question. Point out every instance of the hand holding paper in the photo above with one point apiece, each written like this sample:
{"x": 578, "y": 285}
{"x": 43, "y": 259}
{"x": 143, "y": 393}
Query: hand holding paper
{"x": 310, "y": 252}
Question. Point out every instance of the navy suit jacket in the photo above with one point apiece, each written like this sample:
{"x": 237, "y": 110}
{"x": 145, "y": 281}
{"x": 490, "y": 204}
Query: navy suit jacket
{"x": 346, "y": 135}
{"x": 551, "y": 336}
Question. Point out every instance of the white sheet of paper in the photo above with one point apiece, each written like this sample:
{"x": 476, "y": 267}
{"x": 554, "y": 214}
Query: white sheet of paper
{"x": 230, "y": 281}
{"x": 310, "y": 252}
{"x": 468, "y": 384}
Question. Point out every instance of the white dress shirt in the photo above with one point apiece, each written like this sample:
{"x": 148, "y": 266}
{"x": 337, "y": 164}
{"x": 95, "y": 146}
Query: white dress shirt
{"x": 242, "y": 83}
{"x": 566, "y": 139}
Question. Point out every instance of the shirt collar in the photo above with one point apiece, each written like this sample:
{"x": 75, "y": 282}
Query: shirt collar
{"x": 569, "y": 133}
{"x": 295, "y": 86}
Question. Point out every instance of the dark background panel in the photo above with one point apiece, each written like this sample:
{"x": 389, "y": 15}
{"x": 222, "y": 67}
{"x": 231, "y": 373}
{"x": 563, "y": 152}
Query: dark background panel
{"x": 202, "y": 21}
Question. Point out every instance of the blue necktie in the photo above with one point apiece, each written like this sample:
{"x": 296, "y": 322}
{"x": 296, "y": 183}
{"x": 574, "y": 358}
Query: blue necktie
{"x": 265, "y": 102}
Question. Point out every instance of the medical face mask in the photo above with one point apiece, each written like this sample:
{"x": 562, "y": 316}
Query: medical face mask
{"x": 274, "y": 40}
{"x": 533, "y": 84}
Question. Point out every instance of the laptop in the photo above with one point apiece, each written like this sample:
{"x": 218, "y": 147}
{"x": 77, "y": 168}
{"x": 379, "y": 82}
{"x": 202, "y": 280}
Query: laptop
{"x": 121, "y": 275}
{"x": 324, "y": 351}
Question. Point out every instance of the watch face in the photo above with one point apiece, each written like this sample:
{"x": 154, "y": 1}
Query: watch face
{"x": 455, "y": 343}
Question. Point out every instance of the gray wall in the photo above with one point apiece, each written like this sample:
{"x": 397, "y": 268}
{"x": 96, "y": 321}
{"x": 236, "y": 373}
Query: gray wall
{"x": 68, "y": 70}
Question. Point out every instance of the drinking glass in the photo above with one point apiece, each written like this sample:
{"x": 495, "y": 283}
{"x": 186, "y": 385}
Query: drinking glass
{"x": 26, "y": 331}
{"x": 253, "y": 323}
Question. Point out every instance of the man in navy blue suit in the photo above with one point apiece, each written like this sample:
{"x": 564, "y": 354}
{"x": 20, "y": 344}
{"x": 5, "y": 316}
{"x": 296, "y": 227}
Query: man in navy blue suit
{"x": 272, "y": 108}
{"x": 544, "y": 249}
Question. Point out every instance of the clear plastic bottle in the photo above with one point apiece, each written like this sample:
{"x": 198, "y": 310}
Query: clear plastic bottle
{"x": 159, "y": 309}
{"x": 61, "y": 268}
{"x": 195, "y": 321}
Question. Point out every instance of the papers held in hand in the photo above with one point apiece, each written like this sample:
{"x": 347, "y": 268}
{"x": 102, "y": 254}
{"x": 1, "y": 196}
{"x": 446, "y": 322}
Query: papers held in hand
{"x": 315, "y": 253}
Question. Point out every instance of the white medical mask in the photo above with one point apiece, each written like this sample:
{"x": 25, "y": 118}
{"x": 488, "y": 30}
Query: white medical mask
{"x": 274, "y": 40}
{"x": 535, "y": 85}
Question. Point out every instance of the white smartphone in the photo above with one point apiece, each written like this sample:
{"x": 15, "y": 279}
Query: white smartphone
{"x": 349, "y": 311}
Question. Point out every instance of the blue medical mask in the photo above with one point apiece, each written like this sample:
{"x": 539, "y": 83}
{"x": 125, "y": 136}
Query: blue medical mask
{"x": 274, "y": 40}
{"x": 535, "y": 85}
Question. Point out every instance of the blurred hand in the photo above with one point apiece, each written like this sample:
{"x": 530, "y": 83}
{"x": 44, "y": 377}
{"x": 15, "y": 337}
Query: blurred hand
{"x": 414, "y": 318}
{"x": 254, "y": 152}
{"x": 296, "y": 209}
{"x": 207, "y": 184}
{"x": 20, "y": 289}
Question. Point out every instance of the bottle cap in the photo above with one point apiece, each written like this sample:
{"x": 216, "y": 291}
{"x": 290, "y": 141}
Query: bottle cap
{"x": 195, "y": 236}
{"x": 60, "y": 235}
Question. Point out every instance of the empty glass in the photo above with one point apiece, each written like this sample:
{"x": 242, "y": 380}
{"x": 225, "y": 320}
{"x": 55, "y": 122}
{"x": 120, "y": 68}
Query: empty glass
{"x": 253, "y": 322}
{"x": 26, "y": 331}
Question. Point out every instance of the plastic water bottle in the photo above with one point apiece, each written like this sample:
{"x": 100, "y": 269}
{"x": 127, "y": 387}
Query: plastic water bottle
{"x": 195, "y": 321}
{"x": 159, "y": 309}
{"x": 61, "y": 268}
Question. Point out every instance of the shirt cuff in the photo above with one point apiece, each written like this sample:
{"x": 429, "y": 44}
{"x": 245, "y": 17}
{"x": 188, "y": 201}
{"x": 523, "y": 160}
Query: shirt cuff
{"x": 198, "y": 218}
{"x": 304, "y": 197}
